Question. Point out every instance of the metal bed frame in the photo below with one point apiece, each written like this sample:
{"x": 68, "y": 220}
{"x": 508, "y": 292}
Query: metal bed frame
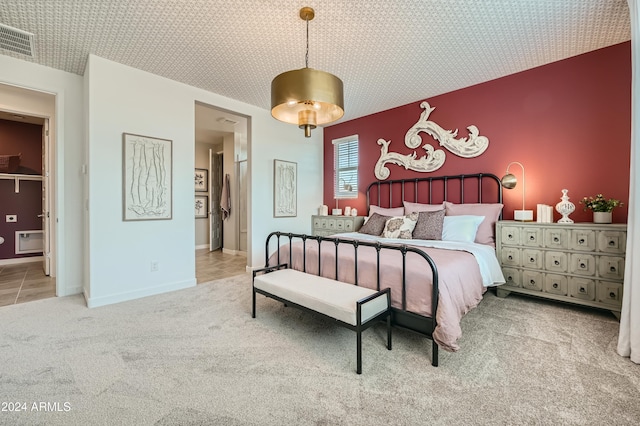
{"x": 400, "y": 316}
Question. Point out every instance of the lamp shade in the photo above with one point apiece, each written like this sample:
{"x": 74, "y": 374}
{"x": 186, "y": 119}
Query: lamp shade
{"x": 509, "y": 181}
{"x": 307, "y": 97}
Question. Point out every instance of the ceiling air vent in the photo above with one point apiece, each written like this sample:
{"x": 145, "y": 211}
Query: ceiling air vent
{"x": 16, "y": 40}
{"x": 225, "y": 120}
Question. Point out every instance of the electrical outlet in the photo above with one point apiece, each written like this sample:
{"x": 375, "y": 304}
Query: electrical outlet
{"x": 155, "y": 266}
{"x": 12, "y": 218}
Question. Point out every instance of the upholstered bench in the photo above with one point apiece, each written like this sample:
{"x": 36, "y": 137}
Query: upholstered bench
{"x": 351, "y": 306}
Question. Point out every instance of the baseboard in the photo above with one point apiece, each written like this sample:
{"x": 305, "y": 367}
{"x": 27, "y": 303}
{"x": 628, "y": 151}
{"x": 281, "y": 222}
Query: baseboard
{"x": 202, "y": 246}
{"x": 234, "y": 252}
{"x": 18, "y": 260}
{"x": 94, "y": 302}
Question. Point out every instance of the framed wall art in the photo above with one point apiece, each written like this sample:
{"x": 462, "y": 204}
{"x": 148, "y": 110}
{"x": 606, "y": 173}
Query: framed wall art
{"x": 285, "y": 188}
{"x": 202, "y": 206}
{"x": 202, "y": 180}
{"x": 146, "y": 178}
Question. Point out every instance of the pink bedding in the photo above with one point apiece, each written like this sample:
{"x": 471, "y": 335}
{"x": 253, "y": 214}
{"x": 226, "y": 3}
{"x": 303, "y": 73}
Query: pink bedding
{"x": 459, "y": 279}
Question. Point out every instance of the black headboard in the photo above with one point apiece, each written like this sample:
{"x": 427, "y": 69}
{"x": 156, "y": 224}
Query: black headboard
{"x": 467, "y": 188}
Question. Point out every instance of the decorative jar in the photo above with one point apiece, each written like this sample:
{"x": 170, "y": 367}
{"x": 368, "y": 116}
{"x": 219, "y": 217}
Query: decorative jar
{"x": 565, "y": 207}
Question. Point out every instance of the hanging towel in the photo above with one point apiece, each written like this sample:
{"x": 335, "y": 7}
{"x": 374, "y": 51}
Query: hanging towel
{"x": 225, "y": 198}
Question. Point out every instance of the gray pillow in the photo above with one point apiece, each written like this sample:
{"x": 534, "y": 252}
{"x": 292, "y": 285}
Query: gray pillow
{"x": 374, "y": 225}
{"x": 429, "y": 226}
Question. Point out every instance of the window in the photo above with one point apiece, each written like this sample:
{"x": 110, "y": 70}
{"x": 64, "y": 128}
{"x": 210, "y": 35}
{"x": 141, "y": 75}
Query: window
{"x": 345, "y": 167}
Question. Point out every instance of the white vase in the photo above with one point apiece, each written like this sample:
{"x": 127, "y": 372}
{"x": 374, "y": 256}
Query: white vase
{"x": 601, "y": 217}
{"x": 565, "y": 207}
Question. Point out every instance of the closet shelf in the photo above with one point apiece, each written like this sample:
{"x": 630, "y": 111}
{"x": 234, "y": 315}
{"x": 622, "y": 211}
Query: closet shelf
{"x": 16, "y": 177}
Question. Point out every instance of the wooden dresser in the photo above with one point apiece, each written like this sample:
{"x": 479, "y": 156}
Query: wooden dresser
{"x": 581, "y": 263}
{"x": 329, "y": 225}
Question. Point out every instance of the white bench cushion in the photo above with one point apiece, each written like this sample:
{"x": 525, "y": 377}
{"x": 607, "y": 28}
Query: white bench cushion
{"x": 333, "y": 298}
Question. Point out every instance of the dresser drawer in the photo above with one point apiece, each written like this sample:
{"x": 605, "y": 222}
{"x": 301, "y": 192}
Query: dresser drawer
{"x": 512, "y": 277}
{"x": 510, "y": 235}
{"x": 582, "y": 239}
{"x": 532, "y": 258}
{"x": 610, "y": 293}
{"x": 556, "y": 238}
{"x": 583, "y": 264}
{"x": 582, "y": 288}
{"x": 555, "y": 284}
{"x": 556, "y": 261}
{"x": 612, "y": 242}
{"x": 532, "y": 280}
{"x": 510, "y": 256}
{"x": 611, "y": 267}
{"x": 531, "y": 237}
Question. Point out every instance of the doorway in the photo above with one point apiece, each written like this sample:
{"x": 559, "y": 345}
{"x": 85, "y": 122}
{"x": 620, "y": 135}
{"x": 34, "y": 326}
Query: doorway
{"x": 27, "y": 145}
{"x": 221, "y": 148}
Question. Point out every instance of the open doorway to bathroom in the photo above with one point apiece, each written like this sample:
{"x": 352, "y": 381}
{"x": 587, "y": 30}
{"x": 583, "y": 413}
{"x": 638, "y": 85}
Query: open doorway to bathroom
{"x": 221, "y": 138}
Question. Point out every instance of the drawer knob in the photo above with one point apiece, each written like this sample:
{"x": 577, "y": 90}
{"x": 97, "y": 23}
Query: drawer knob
{"x": 555, "y": 285}
{"x": 582, "y": 265}
{"x": 612, "y": 295}
{"x": 583, "y": 290}
{"x": 509, "y": 278}
{"x": 532, "y": 238}
{"x": 510, "y": 236}
{"x": 556, "y": 239}
{"x": 612, "y": 243}
{"x": 531, "y": 259}
{"x": 612, "y": 269}
{"x": 532, "y": 282}
{"x": 556, "y": 262}
{"x": 581, "y": 241}
{"x": 510, "y": 257}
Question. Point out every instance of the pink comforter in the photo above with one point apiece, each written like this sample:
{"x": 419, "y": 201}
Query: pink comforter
{"x": 459, "y": 279}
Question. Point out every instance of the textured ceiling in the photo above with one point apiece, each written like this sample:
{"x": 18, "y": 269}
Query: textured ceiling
{"x": 387, "y": 52}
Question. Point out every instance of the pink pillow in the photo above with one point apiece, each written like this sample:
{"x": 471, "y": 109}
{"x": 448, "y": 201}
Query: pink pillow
{"x": 491, "y": 213}
{"x": 417, "y": 207}
{"x": 396, "y": 211}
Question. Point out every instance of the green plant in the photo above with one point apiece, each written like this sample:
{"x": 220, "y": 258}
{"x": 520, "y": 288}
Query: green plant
{"x": 599, "y": 203}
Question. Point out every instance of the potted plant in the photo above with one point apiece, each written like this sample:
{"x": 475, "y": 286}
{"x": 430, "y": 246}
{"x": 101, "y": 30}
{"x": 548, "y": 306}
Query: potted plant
{"x": 601, "y": 207}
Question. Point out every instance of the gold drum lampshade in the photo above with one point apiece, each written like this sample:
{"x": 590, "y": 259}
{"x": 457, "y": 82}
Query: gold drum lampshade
{"x": 307, "y": 97}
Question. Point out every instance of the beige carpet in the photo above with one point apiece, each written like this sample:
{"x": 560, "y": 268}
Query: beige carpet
{"x": 196, "y": 357}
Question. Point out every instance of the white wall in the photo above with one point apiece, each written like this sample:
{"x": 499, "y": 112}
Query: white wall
{"x": 123, "y": 99}
{"x": 68, "y": 185}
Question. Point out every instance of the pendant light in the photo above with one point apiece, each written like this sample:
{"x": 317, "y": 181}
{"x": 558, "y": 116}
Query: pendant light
{"x": 307, "y": 97}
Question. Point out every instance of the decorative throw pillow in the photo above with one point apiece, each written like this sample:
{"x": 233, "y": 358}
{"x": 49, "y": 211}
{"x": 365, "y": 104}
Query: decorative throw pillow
{"x": 429, "y": 225}
{"x": 491, "y": 213}
{"x": 461, "y": 228}
{"x": 400, "y": 226}
{"x": 396, "y": 211}
{"x": 375, "y": 224}
{"x": 417, "y": 207}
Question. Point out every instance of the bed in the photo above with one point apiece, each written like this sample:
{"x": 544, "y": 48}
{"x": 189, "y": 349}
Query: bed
{"x": 433, "y": 281}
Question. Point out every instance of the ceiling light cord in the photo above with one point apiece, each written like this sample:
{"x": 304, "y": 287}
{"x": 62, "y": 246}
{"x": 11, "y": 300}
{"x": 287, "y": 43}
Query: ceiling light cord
{"x": 306, "y": 56}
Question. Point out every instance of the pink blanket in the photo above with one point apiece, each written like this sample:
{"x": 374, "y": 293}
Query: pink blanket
{"x": 459, "y": 279}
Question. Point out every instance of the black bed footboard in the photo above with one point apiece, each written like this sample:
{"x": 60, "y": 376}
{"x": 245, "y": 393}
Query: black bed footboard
{"x": 400, "y": 316}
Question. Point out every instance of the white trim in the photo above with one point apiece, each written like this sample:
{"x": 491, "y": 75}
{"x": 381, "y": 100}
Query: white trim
{"x": 94, "y": 302}
{"x": 202, "y": 246}
{"x": 17, "y": 260}
{"x": 234, "y": 252}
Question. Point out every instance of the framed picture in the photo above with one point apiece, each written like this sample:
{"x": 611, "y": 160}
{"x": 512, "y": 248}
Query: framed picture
{"x": 146, "y": 178}
{"x": 202, "y": 206}
{"x": 202, "y": 180}
{"x": 285, "y": 188}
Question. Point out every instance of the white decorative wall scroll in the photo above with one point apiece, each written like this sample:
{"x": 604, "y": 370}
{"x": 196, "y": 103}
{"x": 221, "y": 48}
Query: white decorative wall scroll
{"x": 470, "y": 147}
{"x": 285, "y": 188}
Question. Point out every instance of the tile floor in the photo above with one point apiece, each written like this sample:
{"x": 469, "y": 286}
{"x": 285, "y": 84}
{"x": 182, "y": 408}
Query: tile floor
{"x": 26, "y": 282}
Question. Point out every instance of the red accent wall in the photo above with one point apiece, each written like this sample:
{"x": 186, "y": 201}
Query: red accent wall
{"x": 24, "y": 138}
{"x": 568, "y": 123}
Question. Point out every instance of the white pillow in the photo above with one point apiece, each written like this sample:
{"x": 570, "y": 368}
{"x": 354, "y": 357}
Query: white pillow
{"x": 400, "y": 226}
{"x": 461, "y": 228}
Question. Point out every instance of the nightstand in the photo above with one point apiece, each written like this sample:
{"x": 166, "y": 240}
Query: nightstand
{"x": 329, "y": 225}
